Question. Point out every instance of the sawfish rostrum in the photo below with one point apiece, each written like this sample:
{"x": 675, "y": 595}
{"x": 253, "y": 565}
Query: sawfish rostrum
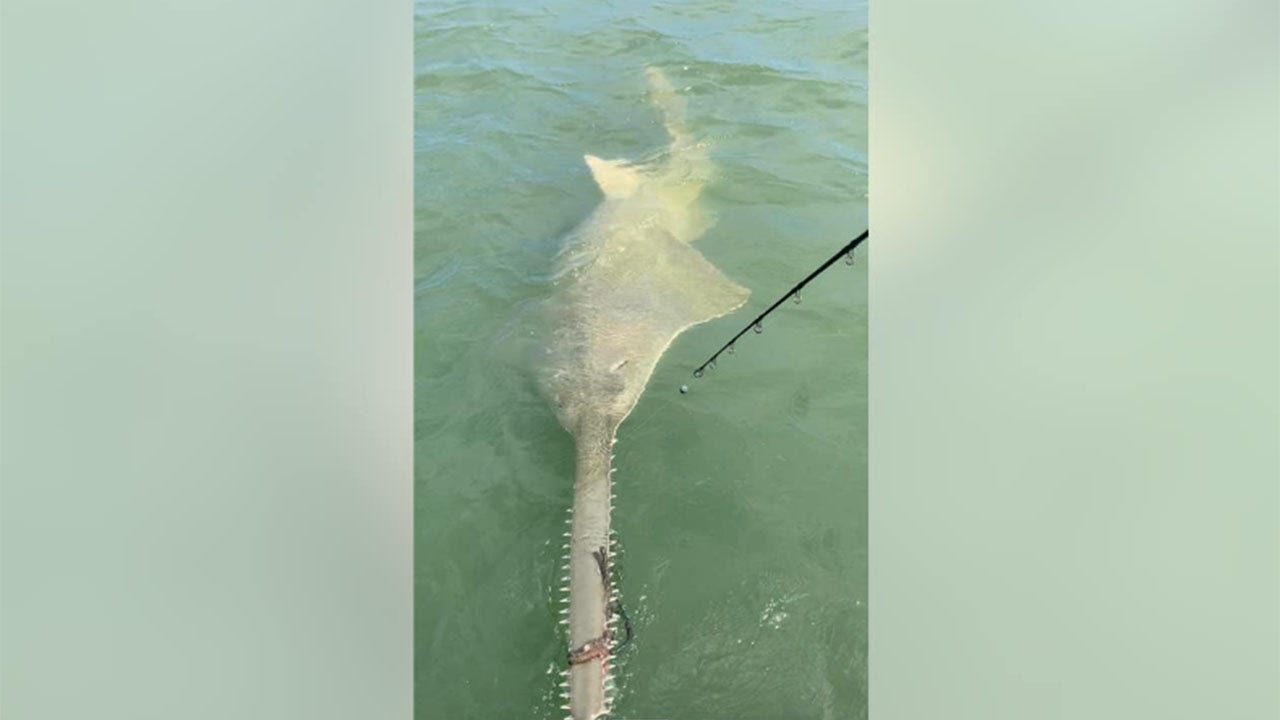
{"x": 628, "y": 283}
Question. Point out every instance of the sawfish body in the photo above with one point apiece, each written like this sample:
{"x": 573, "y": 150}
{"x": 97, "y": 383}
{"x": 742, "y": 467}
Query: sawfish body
{"x": 628, "y": 283}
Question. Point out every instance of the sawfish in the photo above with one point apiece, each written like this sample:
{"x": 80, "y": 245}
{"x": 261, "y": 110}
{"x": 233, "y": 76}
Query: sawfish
{"x": 627, "y": 283}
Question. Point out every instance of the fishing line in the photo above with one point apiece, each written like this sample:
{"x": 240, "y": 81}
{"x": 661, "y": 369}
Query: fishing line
{"x": 794, "y": 293}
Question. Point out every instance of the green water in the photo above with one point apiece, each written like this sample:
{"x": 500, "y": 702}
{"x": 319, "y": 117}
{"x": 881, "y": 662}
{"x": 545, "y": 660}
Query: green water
{"x": 741, "y": 507}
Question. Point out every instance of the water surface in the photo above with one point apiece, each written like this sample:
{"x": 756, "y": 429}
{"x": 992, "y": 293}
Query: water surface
{"x": 741, "y": 506}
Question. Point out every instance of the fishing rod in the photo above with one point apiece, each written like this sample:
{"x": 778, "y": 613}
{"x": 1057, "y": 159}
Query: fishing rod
{"x": 846, "y": 252}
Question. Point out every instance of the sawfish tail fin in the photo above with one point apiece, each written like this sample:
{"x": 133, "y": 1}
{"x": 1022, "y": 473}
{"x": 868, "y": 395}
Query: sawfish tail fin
{"x": 664, "y": 96}
{"x": 688, "y": 166}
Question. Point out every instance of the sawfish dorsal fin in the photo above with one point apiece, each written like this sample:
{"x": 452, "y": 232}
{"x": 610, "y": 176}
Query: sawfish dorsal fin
{"x": 616, "y": 178}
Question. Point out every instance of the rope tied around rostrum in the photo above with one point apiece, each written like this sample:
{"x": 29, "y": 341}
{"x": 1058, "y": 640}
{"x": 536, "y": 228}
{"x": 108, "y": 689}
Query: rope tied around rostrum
{"x": 599, "y": 648}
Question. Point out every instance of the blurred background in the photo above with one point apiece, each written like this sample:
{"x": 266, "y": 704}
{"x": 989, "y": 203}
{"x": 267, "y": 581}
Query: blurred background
{"x": 1074, "y": 350}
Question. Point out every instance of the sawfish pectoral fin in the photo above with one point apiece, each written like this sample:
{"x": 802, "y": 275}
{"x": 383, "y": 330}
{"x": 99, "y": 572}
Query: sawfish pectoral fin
{"x": 616, "y": 178}
{"x": 694, "y": 291}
